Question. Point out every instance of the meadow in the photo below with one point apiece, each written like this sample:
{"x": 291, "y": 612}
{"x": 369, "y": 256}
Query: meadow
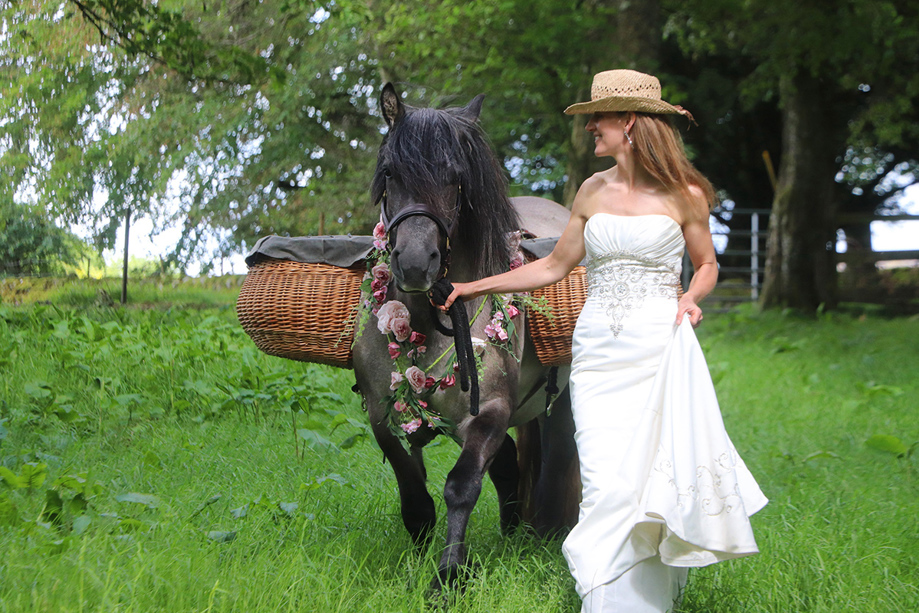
{"x": 152, "y": 459}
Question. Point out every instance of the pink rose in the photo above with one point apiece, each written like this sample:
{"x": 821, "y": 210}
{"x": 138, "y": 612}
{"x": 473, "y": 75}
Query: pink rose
{"x": 513, "y": 241}
{"x": 416, "y": 378}
{"x": 448, "y": 381}
{"x": 394, "y": 350}
{"x": 381, "y": 272}
{"x": 380, "y": 296}
{"x": 412, "y": 425}
{"x": 418, "y": 338}
{"x": 502, "y": 334}
{"x": 512, "y": 311}
{"x": 517, "y": 261}
{"x": 376, "y": 285}
{"x": 400, "y": 406}
{"x": 379, "y": 231}
{"x": 389, "y": 311}
{"x": 401, "y": 328}
{"x": 379, "y": 245}
{"x": 421, "y": 349}
{"x": 429, "y": 383}
{"x": 491, "y": 331}
{"x": 396, "y": 379}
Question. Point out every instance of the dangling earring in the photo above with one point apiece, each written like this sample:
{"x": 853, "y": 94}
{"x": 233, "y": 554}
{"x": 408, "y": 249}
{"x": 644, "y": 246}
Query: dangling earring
{"x": 628, "y": 138}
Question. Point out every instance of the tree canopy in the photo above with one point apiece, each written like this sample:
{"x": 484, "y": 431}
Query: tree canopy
{"x": 242, "y": 118}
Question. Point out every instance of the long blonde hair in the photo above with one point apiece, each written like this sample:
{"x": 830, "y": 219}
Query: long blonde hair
{"x": 658, "y": 148}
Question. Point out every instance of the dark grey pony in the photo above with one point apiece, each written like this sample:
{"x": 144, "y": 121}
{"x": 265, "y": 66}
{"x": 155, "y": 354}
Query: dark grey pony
{"x": 444, "y": 194}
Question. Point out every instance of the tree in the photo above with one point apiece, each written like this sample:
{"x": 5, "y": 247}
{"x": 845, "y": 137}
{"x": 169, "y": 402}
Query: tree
{"x": 31, "y": 245}
{"x": 113, "y": 109}
{"x": 835, "y": 87}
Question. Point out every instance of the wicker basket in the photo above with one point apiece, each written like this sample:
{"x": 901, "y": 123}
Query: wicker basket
{"x": 552, "y": 336}
{"x": 301, "y": 311}
{"x": 306, "y": 312}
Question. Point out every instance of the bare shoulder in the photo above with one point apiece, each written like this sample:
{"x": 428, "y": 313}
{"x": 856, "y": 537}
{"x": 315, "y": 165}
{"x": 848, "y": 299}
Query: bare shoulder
{"x": 590, "y": 194}
{"x": 695, "y": 208}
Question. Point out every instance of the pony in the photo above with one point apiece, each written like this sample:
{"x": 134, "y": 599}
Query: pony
{"x": 443, "y": 198}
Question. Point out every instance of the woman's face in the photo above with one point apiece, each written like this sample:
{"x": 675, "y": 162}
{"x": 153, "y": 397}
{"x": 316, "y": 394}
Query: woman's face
{"x": 608, "y": 133}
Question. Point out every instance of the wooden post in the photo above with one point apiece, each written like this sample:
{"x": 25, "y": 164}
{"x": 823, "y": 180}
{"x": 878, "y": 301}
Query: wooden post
{"x": 124, "y": 270}
{"x": 770, "y": 170}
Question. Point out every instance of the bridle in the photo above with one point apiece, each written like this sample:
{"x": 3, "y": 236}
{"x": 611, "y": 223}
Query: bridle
{"x": 418, "y": 209}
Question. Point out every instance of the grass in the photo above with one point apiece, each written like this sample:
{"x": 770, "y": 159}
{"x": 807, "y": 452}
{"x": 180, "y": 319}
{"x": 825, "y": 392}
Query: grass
{"x": 155, "y": 461}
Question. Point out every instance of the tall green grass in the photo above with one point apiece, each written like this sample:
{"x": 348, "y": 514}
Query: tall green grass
{"x": 155, "y": 461}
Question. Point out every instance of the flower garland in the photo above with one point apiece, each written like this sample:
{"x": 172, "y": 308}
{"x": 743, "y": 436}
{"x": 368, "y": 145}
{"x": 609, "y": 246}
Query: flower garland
{"x": 407, "y": 408}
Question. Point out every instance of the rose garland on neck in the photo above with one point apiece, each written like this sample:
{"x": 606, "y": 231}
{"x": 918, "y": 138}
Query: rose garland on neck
{"x": 407, "y": 408}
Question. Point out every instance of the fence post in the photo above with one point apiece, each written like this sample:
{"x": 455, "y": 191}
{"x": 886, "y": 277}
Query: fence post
{"x": 754, "y": 256}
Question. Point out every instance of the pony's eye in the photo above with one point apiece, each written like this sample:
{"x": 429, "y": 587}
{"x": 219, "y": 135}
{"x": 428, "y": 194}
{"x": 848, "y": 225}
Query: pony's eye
{"x": 387, "y": 174}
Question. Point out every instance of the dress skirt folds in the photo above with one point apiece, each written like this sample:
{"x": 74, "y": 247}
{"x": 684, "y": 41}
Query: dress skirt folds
{"x": 663, "y": 486}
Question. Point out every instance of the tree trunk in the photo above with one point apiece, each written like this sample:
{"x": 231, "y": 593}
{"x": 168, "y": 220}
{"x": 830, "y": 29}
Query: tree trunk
{"x": 581, "y": 160}
{"x": 801, "y": 248}
{"x": 637, "y": 36}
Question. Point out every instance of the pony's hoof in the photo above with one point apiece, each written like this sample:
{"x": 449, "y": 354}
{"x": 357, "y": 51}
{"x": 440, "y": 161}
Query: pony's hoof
{"x": 450, "y": 581}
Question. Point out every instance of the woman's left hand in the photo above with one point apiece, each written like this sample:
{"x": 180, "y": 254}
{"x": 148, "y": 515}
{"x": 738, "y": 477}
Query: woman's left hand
{"x": 687, "y": 306}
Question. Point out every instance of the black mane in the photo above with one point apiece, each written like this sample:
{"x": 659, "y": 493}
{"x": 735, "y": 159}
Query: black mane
{"x": 429, "y": 149}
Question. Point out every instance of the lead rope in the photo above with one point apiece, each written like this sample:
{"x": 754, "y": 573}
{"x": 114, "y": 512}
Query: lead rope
{"x": 462, "y": 339}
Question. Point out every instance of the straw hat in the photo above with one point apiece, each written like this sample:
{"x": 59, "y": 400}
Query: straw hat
{"x": 625, "y": 90}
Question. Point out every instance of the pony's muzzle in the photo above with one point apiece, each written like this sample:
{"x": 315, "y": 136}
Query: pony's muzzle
{"x": 416, "y": 270}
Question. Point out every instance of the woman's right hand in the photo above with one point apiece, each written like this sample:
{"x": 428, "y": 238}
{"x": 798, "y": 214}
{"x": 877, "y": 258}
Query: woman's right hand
{"x": 459, "y": 291}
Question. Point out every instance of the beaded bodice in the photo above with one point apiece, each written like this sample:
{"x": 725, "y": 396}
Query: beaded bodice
{"x": 632, "y": 260}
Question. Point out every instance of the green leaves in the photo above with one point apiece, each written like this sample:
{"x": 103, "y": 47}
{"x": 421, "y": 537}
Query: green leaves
{"x": 31, "y": 476}
{"x": 147, "y": 500}
{"x": 891, "y": 444}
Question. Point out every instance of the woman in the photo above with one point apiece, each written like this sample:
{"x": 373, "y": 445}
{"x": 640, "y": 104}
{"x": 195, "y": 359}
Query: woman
{"x": 663, "y": 487}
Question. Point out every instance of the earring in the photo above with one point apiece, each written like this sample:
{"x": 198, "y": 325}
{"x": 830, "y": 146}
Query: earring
{"x": 628, "y": 138}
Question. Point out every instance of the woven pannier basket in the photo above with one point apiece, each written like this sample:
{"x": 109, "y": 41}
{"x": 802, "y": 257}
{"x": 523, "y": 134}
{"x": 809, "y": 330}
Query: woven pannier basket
{"x": 307, "y": 312}
{"x": 301, "y": 311}
{"x": 551, "y": 333}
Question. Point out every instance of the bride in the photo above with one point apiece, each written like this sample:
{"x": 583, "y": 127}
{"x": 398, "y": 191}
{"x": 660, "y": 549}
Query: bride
{"x": 663, "y": 486}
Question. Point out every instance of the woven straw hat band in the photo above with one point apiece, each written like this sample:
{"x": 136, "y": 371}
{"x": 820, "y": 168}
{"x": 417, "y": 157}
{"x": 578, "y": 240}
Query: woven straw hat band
{"x": 625, "y": 90}
{"x": 624, "y": 83}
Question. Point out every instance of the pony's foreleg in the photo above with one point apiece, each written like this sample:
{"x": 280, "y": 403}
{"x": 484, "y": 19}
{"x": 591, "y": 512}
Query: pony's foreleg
{"x": 483, "y": 438}
{"x": 417, "y": 506}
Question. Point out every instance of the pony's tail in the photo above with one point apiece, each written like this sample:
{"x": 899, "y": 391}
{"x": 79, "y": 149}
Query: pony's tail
{"x": 529, "y": 463}
{"x": 549, "y": 488}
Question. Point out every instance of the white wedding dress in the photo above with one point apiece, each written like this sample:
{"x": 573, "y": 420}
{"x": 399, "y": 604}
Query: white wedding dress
{"x": 663, "y": 487}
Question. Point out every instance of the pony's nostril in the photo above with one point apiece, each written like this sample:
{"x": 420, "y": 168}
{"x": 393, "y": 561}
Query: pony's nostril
{"x": 434, "y": 255}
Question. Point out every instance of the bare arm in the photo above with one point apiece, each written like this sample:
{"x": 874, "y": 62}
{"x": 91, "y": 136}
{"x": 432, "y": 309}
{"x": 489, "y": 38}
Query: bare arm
{"x": 701, "y": 251}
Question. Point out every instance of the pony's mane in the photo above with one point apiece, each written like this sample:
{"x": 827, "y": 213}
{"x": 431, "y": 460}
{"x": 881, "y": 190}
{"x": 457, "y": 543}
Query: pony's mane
{"x": 429, "y": 149}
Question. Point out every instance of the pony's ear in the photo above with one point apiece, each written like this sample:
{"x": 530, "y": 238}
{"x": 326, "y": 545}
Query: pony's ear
{"x": 472, "y": 110}
{"x": 391, "y": 103}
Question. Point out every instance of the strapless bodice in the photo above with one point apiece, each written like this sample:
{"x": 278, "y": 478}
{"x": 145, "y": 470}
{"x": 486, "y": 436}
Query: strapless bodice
{"x": 654, "y": 239}
{"x": 632, "y": 260}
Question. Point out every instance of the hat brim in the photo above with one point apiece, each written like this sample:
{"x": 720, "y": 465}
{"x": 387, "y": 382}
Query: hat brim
{"x": 624, "y": 103}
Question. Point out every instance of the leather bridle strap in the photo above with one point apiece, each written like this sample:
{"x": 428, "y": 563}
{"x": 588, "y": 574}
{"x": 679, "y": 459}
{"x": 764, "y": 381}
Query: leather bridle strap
{"x": 421, "y": 210}
{"x": 413, "y": 210}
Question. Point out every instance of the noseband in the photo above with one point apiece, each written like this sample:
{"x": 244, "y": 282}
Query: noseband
{"x": 422, "y": 210}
